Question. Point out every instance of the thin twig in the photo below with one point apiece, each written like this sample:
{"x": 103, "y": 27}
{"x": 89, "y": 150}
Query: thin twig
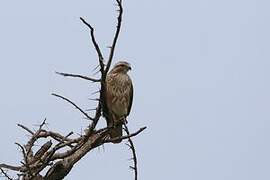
{"x": 14, "y": 168}
{"x": 32, "y": 140}
{"x": 25, "y": 128}
{"x": 23, "y": 152}
{"x": 25, "y": 156}
{"x": 78, "y": 76}
{"x": 100, "y": 56}
{"x": 95, "y": 121}
{"x": 124, "y": 137}
{"x": 77, "y": 107}
{"x": 118, "y": 28}
{"x": 56, "y": 136}
{"x": 132, "y": 147}
{"x": 5, "y": 174}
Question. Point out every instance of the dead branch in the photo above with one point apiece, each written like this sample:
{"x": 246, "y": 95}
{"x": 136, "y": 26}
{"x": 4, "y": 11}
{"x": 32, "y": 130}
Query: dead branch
{"x": 100, "y": 56}
{"x": 6, "y": 166}
{"x": 77, "y": 107}
{"x": 26, "y": 128}
{"x": 134, "y": 156}
{"x": 119, "y": 22}
{"x": 128, "y": 136}
{"x": 5, "y": 174}
{"x": 78, "y": 76}
{"x": 60, "y": 153}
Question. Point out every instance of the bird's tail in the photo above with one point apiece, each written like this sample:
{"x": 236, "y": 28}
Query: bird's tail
{"x": 116, "y": 132}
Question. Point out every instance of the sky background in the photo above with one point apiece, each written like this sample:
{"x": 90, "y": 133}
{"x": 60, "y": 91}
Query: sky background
{"x": 200, "y": 72}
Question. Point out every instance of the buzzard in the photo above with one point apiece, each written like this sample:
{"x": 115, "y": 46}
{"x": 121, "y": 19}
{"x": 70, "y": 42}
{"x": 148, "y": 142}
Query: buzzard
{"x": 119, "y": 96}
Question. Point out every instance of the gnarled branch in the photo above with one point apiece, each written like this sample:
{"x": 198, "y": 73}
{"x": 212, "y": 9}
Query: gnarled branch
{"x": 59, "y": 153}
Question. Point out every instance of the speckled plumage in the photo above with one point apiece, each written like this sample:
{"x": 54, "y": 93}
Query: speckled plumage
{"x": 119, "y": 96}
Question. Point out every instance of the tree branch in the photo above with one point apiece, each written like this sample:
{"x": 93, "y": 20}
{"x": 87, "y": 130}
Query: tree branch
{"x": 100, "y": 56}
{"x": 78, "y": 76}
{"x": 5, "y": 174}
{"x": 77, "y": 107}
{"x": 134, "y": 156}
{"x": 124, "y": 137}
{"x": 58, "y": 154}
{"x": 118, "y": 28}
{"x": 14, "y": 168}
{"x": 25, "y": 128}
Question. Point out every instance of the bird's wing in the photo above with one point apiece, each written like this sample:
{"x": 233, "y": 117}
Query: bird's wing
{"x": 109, "y": 97}
{"x": 130, "y": 99}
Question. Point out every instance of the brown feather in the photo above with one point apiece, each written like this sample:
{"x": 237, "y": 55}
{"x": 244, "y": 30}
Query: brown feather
{"x": 119, "y": 97}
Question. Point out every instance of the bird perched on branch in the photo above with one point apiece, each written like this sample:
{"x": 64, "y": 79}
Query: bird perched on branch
{"x": 119, "y": 96}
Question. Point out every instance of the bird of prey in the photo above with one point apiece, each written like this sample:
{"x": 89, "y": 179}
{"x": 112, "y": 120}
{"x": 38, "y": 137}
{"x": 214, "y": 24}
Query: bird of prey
{"x": 119, "y": 96}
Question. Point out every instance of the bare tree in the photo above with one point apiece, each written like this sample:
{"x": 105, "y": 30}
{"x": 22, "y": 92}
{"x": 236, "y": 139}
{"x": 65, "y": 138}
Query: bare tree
{"x": 57, "y": 156}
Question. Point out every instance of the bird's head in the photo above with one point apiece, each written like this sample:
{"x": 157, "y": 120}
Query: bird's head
{"x": 121, "y": 67}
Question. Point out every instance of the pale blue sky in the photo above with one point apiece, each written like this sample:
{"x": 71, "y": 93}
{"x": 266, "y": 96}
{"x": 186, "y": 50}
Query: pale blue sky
{"x": 200, "y": 71}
